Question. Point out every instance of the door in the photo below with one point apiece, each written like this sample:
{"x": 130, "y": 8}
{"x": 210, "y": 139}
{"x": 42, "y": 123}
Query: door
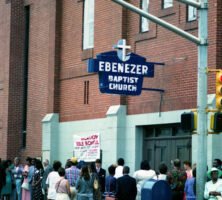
{"x": 164, "y": 144}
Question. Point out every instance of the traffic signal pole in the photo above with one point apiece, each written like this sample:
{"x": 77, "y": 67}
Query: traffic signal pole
{"x": 202, "y": 102}
{"x": 201, "y": 42}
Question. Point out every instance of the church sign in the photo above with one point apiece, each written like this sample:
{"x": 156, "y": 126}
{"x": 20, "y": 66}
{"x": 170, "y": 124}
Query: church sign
{"x": 120, "y": 73}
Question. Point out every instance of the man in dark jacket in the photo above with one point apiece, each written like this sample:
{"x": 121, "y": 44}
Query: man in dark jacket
{"x": 126, "y": 186}
{"x": 101, "y": 174}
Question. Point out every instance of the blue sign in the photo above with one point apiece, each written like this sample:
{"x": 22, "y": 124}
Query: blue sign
{"x": 120, "y": 73}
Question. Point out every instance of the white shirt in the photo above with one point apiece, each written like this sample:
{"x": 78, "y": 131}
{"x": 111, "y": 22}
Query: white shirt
{"x": 53, "y": 177}
{"x": 118, "y": 172}
{"x": 210, "y": 187}
{"x": 141, "y": 176}
{"x": 160, "y": 177}
{"x": 97, "y": 169}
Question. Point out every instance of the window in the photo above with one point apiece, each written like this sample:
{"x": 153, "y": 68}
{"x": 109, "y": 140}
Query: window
{"x": 86, "y": 92}
{"x": 167, "y": 4}
{"x": 191, "y": 13}
{"x": 144, "y": 22}
{"x": 25, "y": 85}
{"x": 88, "y": 29}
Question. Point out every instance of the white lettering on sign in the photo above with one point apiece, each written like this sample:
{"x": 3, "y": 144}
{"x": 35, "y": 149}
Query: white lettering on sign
{"x": 122, "y": 87}
{"x": 123, "y": 68}
{"x": 120, "y": 67}
{"x": 101, "y": 66}
{"x": 107, "y": 66}
{"x": 123, "y": 79}
{"x": 133, "y": 69}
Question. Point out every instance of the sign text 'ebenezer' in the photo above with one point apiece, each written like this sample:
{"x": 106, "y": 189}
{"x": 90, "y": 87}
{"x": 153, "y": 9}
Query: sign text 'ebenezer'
{"x": 120, "y": 73}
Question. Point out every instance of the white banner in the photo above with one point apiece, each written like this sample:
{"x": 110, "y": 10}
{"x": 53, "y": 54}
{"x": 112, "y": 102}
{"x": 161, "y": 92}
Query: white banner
{"x": 87, "y": 148}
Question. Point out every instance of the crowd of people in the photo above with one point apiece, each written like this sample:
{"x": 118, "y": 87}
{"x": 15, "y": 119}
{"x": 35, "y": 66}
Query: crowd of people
{"x": 88, "y": 181}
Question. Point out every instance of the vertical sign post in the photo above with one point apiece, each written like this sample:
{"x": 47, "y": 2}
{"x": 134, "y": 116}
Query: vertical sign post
{"x": 202, "y": 102}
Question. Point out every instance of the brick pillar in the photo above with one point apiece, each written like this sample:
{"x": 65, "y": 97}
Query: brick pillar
{"x": 16, "y": 79}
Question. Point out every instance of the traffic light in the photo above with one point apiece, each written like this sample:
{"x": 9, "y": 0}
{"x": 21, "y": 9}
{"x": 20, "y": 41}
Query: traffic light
{"x": 189, "y": 122}
{"x": 216, "y": 122}
{"x": 219, "y": 89}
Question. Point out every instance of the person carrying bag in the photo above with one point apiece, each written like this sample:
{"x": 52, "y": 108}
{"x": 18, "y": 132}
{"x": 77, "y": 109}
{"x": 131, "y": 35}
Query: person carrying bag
{"x": 110, "y": 184}
{"x": 110, "y": 195}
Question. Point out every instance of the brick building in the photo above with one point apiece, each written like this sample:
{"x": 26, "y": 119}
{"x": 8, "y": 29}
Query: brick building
{"x": 47, "y": 95}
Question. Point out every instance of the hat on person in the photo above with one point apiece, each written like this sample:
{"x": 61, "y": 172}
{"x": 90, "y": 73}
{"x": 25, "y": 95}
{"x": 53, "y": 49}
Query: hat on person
{"x": 74, "y": 160}
{"x": 213, "y": 170}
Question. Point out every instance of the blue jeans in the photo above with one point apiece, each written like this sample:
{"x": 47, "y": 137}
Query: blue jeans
{"x": 18, "y": 189}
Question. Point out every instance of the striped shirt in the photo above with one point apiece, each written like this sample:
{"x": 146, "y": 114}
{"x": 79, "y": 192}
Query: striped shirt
{"x": 72, "y": 174}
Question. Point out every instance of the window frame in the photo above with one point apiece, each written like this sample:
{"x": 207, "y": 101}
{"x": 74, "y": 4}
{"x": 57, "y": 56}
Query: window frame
{"x": 86, "y": 25}
{"x": 141, "y": 18}
{"x": 193, "y": 18}
{"x": 164, "y": 3}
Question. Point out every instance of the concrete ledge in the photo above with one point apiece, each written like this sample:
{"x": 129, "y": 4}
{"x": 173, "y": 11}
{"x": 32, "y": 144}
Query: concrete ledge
{"x": 50, "y": 117}
{"x": 115, "y": 110}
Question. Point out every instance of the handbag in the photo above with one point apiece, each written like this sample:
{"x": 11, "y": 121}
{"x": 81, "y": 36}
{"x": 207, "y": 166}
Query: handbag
{"x": 25, "y": 186}
{"x": 95, "y": 184}
{"x": 110, "y": 198}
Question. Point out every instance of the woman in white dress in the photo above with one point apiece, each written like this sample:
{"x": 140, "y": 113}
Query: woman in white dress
{"x": 142, "y": 175}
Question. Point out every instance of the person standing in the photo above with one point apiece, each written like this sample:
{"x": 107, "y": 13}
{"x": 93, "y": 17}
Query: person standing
{"x": 47, "y": 170}
{"x": 72, "y": 174}
{"x": 213, "y": 188}
{"x": 119, "y": 168}
{"x": 217, "y": 163}
{"x": 52, "y": 179}
{"x": 187, "y": 167}
{"x": 126, "y": 186}
{"x": 84, "y": 185}
{"x": 31, "y": 173}
{"x": 95, "y": 178}
{"x": 62, "y": 186}
{"x": 37, "y": 181}
{"x": 7, "y": 187}
{"x": 189, "y": 187}
{"x": 110, "y": 182}
{"x": 142, "y": 175}
{"x": 102, "y": 176}
{"x": 177, "y": 178}
{"x": 26, "y": 193}
{"x": 17, "y": 175}
{"x": 2, "y": 176}
{"x": 162, "y": 172}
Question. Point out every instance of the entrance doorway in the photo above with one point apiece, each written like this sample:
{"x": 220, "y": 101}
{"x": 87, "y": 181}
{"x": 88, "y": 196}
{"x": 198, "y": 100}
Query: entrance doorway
{"x": 164, "y": 143}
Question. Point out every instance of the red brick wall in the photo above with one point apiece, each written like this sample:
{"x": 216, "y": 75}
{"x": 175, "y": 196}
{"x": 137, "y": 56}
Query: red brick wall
{"x": 108, "y": 30}
{"x": 5, "y": 17}
{"x": 218, "y": 21}
{"x": 42, "y": 74}
{"x": 41, "y": 71}
{"x": 16, "y": 79}
{"x": 178, "y": 77}
{"x": 58, "y": 65}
